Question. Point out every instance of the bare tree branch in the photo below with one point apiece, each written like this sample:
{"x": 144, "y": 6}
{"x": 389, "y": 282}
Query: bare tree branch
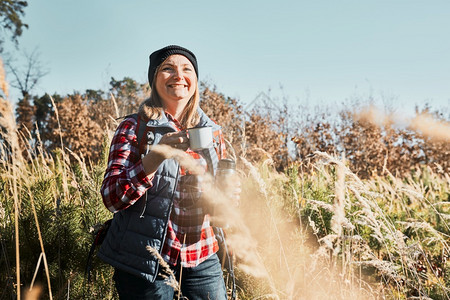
{"x": 29, "y": 74}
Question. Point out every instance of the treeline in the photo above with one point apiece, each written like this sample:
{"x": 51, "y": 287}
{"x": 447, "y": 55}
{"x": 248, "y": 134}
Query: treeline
{"x": 270, "y": 129}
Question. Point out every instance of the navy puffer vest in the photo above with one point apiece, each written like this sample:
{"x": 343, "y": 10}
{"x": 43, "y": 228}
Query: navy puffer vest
{"x": 145, "y": 223}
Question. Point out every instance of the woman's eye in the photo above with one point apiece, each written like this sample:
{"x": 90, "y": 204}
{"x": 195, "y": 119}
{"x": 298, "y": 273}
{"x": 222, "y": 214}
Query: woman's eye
{"x": 167, "y": 69}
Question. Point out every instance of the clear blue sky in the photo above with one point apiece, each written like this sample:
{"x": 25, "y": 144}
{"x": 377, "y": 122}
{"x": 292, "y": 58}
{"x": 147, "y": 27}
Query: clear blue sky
{"x": 320, "y": 52}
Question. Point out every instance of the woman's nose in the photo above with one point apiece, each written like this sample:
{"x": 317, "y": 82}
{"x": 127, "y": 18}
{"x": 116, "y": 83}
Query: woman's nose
{"x": 178, "y": 73}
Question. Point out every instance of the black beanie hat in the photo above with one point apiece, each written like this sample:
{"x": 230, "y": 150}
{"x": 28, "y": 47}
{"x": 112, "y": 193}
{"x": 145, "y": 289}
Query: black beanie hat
{"x": 159, "y": 56}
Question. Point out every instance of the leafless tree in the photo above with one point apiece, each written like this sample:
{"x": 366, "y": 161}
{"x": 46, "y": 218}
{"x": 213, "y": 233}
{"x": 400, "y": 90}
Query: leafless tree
{"x": 27, "y": 75}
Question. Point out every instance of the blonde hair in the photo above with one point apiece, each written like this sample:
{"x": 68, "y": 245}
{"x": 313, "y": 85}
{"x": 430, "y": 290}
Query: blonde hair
{"x": 152, "y": 107}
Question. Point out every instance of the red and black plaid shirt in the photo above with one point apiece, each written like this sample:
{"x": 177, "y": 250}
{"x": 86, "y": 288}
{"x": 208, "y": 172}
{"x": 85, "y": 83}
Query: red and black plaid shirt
{"x": 190, "y": 237}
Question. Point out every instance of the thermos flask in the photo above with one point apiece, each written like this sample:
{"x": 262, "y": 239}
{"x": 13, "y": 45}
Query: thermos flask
{"x": 225, "y": 170}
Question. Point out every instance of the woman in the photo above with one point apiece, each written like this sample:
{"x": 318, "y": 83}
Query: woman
{"x": 147, "y": 194}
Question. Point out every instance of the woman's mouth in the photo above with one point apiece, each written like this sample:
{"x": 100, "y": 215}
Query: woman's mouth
{"x": 177, "y": 85}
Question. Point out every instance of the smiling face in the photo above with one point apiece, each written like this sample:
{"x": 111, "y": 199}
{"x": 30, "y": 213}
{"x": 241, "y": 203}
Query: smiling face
{"x": 176, "y": 81}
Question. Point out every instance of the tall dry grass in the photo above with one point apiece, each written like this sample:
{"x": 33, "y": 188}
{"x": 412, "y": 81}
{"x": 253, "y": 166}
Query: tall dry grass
{"x": 45, "y": 205}
{"x": 321, "y": 235}
{"x": 367, "y": 239}
{"x": 10, "y": 146}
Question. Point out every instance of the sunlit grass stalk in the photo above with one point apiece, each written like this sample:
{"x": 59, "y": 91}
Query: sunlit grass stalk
{"x": 63, "y": 163}
{"x": 167, "y": 271}
{"x": 16, "y": 226}
{"x": 3, "y": 82}
{"x": 7, "y": 121}
{"x": 116, "y": 108}
{"x": 41, "y": 243}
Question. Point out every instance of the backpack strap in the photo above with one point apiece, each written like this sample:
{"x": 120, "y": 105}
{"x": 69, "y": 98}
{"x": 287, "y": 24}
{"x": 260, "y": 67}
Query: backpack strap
{"x": 145, "y": 135}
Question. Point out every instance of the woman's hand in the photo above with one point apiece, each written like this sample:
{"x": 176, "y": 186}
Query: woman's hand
{"x": 177, "y": 140}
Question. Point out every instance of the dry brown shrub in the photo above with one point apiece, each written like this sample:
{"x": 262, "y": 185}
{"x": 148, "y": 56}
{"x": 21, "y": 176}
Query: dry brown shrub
{"x": 411, "y": 143}
{"x": 265, "y": 139}
{"x": 363, "y": 144}
{"x": 104, "y": 113}
{"x": 374, "y": 143}
{"x": 315, "y": 133}
{"x": 224, "y": 111}
{"x": 78, "y": 131}
{"x": 254, "y": 135}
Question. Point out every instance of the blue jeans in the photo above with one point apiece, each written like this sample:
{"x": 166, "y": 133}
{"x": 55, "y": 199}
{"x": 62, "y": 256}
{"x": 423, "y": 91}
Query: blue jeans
{"x": 202, "y": 282}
